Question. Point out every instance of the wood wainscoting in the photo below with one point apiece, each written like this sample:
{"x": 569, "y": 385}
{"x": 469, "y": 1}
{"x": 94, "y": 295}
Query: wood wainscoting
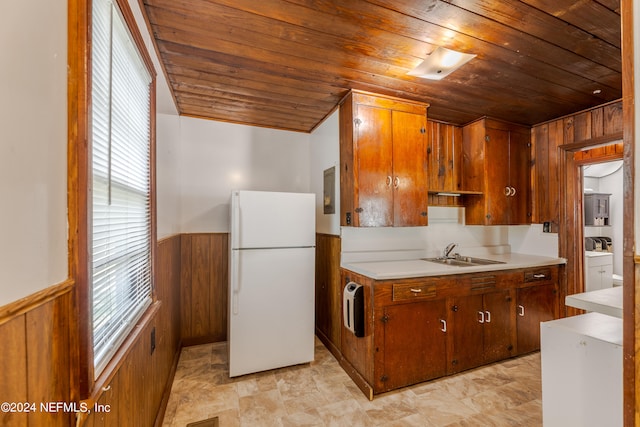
{"x": 36, "y": 366}
{"x": 191, "y": 308}
{"x": 204, "y": 287}
{"x": 328, "y": 291}
{"x": 138, "y": 392}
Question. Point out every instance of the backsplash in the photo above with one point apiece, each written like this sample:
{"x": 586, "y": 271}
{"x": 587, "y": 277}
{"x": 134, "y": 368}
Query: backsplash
{"x": 446, "y": 225}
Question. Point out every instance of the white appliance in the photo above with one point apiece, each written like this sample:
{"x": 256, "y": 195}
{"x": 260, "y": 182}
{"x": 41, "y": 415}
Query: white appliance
{"x": 581, "y": 359}
{"x": 272, "y": 280}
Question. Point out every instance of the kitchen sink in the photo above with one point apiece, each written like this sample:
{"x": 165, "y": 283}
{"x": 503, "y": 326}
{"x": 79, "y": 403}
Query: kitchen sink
{"x": 462, "y": 261}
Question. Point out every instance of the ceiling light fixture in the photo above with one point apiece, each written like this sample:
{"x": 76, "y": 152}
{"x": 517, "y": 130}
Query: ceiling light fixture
{"x": 440, "y": 63}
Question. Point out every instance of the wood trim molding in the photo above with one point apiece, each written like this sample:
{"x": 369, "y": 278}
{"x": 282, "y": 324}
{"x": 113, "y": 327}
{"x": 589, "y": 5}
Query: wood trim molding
{"x": 593, "y": 142}
{"x": 630, "y": 339}
{"x": 119, "y": 358}
{"x": 30, "y": 302}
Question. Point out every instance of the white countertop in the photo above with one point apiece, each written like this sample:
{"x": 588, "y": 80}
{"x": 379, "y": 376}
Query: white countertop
{"x": 595, "y": 254}
{"x": 606, "y": 301}
{"x": 596, "y": 325}
{"x": 380, "y": 270}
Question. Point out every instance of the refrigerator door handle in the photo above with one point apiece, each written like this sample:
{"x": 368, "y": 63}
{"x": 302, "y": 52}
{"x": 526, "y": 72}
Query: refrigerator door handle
{"x": 235, "y": 274}
{"x": 235, "y": 222}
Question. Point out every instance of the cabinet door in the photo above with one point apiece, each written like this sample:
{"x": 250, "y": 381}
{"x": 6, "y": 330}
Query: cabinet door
{"x": 409, "y": 169}
{"x": 535, "y": 304}
{"x": 497, "y": 176}
{"x": 465, "y": 341}
{"x": 498, "y": 326}
{"x": 519, "y": 178}
{"x": 444, "y": 157}
{"x": 414, "y": 343}
{"x": 374, "y": 205}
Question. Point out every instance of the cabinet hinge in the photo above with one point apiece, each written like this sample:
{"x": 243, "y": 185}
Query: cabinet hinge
{"x": 487, "y": 138}
{"x": 358, "y": 210}
{"x": 385, "y": 318}
{"x": 454, "y": 308}
{"x": 357, "y": 122}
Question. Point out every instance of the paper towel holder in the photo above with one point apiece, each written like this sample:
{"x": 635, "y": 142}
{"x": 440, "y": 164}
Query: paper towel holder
{"x": 353, "y": 308}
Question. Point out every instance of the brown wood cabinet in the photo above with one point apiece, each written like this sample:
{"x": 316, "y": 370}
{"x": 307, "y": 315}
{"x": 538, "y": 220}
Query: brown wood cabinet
{"x": 536, "y": 301}
{"x": 414, "y": 343}
{"x": 496, "y": 162}
{"x": 423, "y": 328}
{"x": 444, "y": 154}
{"x": 383, "y": 177}
{"x": 480, "y": 330}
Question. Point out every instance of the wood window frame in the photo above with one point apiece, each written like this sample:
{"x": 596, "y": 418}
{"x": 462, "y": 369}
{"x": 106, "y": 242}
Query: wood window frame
{"x": 83, "y": 384}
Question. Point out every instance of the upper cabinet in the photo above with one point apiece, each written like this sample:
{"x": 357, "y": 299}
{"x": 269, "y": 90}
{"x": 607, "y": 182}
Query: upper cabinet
{"x": 496, "y": 162}
{"x": 383, "y": 161}
{"x": 444, "y": 153}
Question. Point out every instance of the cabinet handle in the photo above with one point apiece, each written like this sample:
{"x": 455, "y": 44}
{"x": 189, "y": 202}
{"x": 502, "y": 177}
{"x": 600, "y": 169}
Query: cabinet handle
{"x": 521, "y": 310}
{"x": 444, "y": 325}
{"x": 507, "y": 191}
{"x": 488, "y": 316}
{"x": 396, "y": 182}
{"x": 513, "y": 191}
{"x": 389, "y": 181}
{"x": 539, "y": 276}
{"x": 481, "y": 319}
{"x": 416, "y": 291}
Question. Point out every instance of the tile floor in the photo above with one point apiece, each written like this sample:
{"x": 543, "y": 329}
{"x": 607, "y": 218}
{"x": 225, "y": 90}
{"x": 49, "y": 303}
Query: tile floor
{"x": 321, "y": 394}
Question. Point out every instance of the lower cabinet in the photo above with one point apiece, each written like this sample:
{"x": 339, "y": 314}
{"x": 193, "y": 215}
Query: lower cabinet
{"x": 480, "y": 330}
{"x": 537, "y": 302}
{"x": 414, "y": 343}
{"x": 424, "y": 328}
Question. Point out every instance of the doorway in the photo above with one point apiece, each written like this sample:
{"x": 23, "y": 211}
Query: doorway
{"x": 602, "y": 209}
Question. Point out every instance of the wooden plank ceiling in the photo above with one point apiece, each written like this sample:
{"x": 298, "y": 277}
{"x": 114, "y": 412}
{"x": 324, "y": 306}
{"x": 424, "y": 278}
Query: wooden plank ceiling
{"x": 286, "y": 64}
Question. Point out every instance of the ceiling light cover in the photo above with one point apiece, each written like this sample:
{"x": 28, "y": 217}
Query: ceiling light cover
{"x": 440, "y": 63}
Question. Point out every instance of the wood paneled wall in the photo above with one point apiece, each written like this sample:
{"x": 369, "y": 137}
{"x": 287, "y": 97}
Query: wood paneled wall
{"x": 204, "y": 283}
{"x": 328, "y": 291}
{"x": 34, "y": 360}
{"x": 602, "y": 124}
{"x": 191, "y": 290}
{"x": 137, "y": 393}
{"x": 35, "y": 365}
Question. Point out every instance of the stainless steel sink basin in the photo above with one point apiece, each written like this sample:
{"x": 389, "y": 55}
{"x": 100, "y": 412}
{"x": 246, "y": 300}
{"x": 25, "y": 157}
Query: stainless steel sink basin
{"x": 462, "y": 261}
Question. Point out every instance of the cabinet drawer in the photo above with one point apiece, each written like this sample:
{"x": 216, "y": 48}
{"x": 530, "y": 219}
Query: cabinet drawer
{"x": 413, "y": 291}
{"x": 538, "y": 275}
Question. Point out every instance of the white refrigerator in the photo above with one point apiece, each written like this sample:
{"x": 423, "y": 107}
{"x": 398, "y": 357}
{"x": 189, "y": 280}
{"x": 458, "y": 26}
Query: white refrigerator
{"x": 272, "y": 280}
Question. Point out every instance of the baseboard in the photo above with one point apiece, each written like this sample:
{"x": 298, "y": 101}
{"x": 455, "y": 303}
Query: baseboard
{"x": 333, "y": 349}
{"x": 358, "y": 379}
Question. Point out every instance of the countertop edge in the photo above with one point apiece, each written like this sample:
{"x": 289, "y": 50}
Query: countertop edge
{"x": 368, "y": 269}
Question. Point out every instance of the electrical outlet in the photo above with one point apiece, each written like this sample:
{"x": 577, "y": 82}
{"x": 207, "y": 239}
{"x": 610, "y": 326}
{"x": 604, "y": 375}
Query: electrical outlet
{"x": 153, "y": 340}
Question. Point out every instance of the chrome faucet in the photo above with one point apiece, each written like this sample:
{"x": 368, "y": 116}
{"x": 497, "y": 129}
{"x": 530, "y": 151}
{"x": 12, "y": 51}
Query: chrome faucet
{"x": 448, "y": 249}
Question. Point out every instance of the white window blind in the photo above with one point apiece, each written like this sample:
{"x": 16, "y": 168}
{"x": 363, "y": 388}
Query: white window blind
{"x": 121, "y": 214}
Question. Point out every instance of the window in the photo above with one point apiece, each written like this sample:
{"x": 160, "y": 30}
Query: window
{"x": 120, "y": 198}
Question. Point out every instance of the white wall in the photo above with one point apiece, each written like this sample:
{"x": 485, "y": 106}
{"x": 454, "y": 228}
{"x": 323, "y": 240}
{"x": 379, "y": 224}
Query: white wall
{"x": 218, "y": 157}
{"x": 167, "y": 142}
{"x": 168, "y": 175}
{"x": 33, "y": 147}
{"x": 325, "y": 153}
